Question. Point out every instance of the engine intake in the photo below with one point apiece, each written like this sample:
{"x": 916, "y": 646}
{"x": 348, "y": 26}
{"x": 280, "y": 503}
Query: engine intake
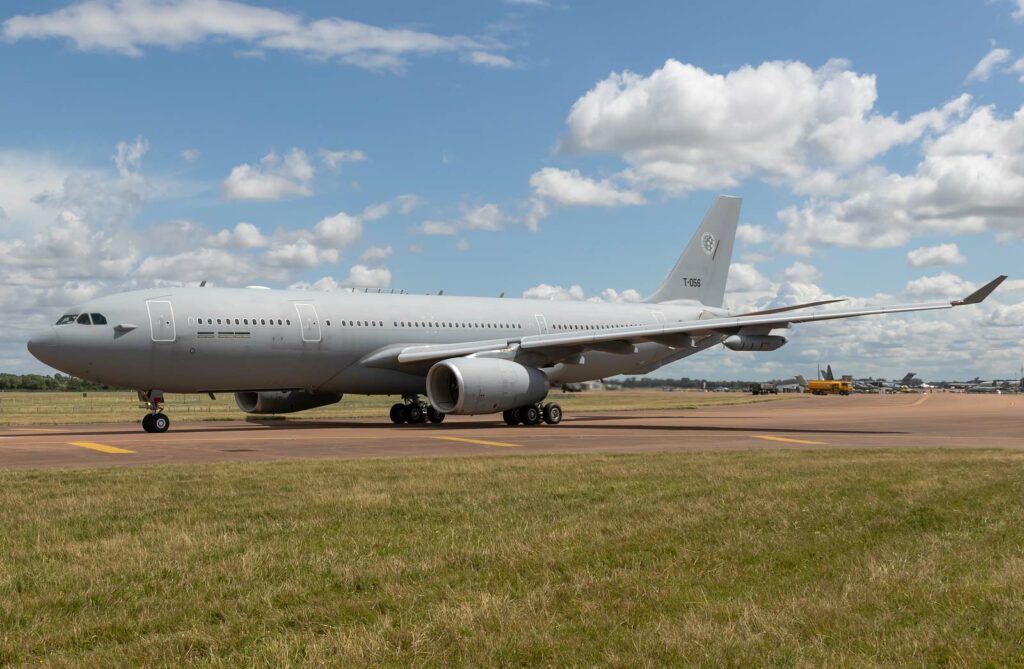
{"x": 749, "y": 342}
{"x": 484, "y": 385}
{"x": 283, "y": 401}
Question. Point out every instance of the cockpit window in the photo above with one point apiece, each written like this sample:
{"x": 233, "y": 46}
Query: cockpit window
{"x": 67, "y": 318}
{"x": 83, "y": 320}
{"x": 98, "y": 319}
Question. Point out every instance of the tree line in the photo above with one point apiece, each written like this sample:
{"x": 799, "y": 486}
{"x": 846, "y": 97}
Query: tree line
{"x": 56, "y": 382}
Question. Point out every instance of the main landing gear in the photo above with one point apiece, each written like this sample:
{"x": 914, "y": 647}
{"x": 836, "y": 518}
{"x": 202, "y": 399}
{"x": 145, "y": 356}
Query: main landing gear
{"x": 534, "y": 414}
{"x": 155, "y": 420}
{"x": 414, "y": 411}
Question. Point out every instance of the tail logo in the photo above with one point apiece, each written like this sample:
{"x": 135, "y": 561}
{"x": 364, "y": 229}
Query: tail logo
{"x": 707, "y": 242}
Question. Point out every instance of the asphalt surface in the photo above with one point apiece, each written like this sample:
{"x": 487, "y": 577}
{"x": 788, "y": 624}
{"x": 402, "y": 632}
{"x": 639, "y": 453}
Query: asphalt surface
{"x": 862, "y": 421}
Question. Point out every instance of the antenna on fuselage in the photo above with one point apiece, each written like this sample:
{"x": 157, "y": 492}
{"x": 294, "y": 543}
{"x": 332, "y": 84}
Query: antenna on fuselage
{"x": 502, "y": 294}
{"x": 202, "y": 284}
{"x": 441, "y": 292}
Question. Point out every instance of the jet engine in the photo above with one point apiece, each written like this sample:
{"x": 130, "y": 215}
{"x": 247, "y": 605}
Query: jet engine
{"x": 484, "y": 385}
{"x": 754, "y": 342}
{"x": 283, "y": 401}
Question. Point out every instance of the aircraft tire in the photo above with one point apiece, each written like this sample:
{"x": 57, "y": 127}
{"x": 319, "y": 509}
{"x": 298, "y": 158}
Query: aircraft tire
{"x": 552, "y": 413}
{"x": 397, "y": 414}
{"x": 147, "y": 422}
{"x": 512, "y": 417}
{"x": 532, "y": 415}
{"x": 160, "y": 423}
{"x": 434, "y": 416}
{"x": 413, "y": 413}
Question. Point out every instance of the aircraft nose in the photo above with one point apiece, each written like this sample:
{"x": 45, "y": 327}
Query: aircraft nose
{"x": 43, "y": 345}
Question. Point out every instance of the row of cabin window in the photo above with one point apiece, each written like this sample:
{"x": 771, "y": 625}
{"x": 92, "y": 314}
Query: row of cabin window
{"x": 241, "y": 321}
{"x": 432, "y": 324}
{"x": 83, "y": 319}
{"x": 559, "y": 326}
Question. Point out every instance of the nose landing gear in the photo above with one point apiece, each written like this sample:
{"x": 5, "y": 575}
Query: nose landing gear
{"x": 155, "y": 420}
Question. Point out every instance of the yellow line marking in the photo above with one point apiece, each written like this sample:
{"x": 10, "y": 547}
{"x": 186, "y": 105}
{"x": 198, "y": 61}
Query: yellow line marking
{"x": 920, "y": 401}
{"x": 788, "y": 440}
{"x": 35, "y": 429}
{"x": 479, "y": 441}
{"x": 99, "y": 447}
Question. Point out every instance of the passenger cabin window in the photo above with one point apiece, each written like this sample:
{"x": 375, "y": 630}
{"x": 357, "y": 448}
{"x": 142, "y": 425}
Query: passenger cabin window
{"x": 98, "y": 319}
{"x": 69, "y": 318}
{"x": 83, "y": 320}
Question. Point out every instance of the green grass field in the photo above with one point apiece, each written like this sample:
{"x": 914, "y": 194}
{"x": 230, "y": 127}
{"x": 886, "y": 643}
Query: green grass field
{"x": 760, "y": 558}
{"x": 30, "y": 408}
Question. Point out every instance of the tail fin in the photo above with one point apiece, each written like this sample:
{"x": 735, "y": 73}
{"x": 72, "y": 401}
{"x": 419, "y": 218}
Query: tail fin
{"x": 701, "y": 272}
{"x": 801, "y": 380}
{"x": 829, "y": 376}
{"x": 908, "y": 378}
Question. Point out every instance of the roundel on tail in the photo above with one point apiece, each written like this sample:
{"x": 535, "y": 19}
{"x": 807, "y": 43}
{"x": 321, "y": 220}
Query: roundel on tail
{"x": 707, "y": 242}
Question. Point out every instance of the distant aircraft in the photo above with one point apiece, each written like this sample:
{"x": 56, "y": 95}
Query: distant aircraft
{"x": 282, "y": 351}
{"x": 795, "y": 385}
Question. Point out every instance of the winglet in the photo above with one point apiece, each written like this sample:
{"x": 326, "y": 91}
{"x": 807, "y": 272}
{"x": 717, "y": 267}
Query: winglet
{"x": 980, "y": 294}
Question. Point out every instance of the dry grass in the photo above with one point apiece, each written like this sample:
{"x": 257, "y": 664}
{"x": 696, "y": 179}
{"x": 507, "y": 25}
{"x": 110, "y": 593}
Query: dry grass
{"x": 28, "y": 408}
{"x": 763, "y": 558}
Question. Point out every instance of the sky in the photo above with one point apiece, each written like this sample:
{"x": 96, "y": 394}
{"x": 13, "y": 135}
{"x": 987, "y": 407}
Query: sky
{"x": 540, "y": 148}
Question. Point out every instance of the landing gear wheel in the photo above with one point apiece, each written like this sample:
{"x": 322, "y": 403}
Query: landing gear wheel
{"x": 512, "y": 417}
{"x": 532, "y": 415}
{"x": 433, "y": 415}
{"x": 397, "y": 414}
{"x": 413, "y": 413}
{"x": 159, "y": 422}
{"x": 147, "y": 422}
{"x": 552, "y": 414}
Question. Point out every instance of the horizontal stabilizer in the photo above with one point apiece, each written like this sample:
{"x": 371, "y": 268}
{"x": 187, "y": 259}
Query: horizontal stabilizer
{"x": 793, "y": 307}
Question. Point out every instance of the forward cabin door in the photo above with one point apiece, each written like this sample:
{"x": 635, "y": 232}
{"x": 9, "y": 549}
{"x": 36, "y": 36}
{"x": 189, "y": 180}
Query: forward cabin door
{"x": 309, "y": 322}
{"x": 161, "y": 320}
{"x": 542, "y": 323}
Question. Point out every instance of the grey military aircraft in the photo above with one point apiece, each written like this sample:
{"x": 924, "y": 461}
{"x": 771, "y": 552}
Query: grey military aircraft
{"x": 282, "y": 351}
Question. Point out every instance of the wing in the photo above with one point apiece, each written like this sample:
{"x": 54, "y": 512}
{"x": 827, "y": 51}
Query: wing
{"x": 672, "y": 334}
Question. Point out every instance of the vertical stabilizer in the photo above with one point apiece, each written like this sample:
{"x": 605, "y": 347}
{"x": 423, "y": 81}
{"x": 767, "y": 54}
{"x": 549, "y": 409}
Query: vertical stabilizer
{"x": 702, "y": 270}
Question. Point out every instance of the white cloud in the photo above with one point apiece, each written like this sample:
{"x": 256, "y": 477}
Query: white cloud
{"x": 682, "y": 128}
{"x": 334, "y": 159}
{"x": 752, "y": 234}
{"x": 128, "y": 157}
{"x": 300, "y": 254}
{"x": 970, "y": 179}
{"x": 190, "y": 155}
{"x": 437, "y": 228}
{"x": 1017, "y": 68}
{"x": 243, "y": 236}
{"x": 547, "y": 292}
{"x": 489, "y": 59}
{"x": 376, "y": 253}
{"x": 744, "y": 277}
{"x": 361, "y": 276}
{"x": 983, "y": 69}
{"x": 940, "y": 285}
{"x": 129, "y": 26}
{"x": 462, "y": 245}
{"x": 942, "y": 254}
{"x": 800, "y": 272}
{"x": 273, "y": 178}
{"x": 1018, "y": 13}
{"x": 569, "y": 188}
{"x": 196, "y": 265}
{"x": 338, "y": 231}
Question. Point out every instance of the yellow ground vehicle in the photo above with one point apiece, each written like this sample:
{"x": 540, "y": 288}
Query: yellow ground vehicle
{"x": 829, "y": 387}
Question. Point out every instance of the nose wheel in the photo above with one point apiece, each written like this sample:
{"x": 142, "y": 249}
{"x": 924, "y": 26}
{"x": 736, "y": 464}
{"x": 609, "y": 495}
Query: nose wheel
{"x": 155, "y": 422}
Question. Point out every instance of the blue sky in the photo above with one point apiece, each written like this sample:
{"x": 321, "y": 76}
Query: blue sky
{"x": 553, "y": 149}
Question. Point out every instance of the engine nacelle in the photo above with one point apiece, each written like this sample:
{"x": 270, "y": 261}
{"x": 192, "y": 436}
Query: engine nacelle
{"x": 484, "y": 385}
{"x": 751, "y": 342}
{"x": 283, "y": 401}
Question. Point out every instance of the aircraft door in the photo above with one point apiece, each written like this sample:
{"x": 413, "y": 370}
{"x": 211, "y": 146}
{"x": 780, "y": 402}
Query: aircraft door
{"x": 542, "y": 323}
{"x": 309, "y": 322}
{"x": 161, "y": 320}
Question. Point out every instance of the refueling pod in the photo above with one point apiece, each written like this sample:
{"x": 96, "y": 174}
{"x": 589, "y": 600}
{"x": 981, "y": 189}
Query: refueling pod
{"x": 283, "y": 401}
{"x": 754, "y": 342}
{"x": 484, "y": 385}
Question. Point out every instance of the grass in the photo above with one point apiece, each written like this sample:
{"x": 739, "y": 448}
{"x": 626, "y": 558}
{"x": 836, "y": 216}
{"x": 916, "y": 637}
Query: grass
{"x": 761, "y": 558}
{"x": 30, "y": 408}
